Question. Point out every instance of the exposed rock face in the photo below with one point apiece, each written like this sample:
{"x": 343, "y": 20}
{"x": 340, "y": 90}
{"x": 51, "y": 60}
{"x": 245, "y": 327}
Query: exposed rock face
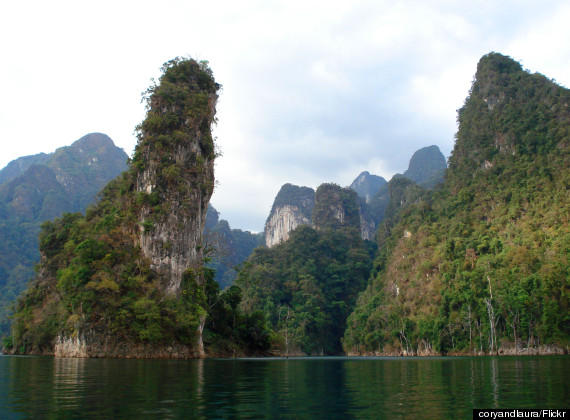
{"x": 125, "y": 279}
{"x": 330, "y": 207}
{"x": 292, "y": 207}
{"x": 367, "y": 222}
{"x": 335, "y": 207}
{"x": 92, "y": 344}
{"x": 367, "y": 185}
{"x": 179, "y": 179}
{"x": 282, "y": 221}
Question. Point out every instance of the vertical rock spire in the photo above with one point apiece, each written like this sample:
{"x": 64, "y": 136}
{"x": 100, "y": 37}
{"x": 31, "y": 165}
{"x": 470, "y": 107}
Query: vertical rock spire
{"x": 175, "y": 161}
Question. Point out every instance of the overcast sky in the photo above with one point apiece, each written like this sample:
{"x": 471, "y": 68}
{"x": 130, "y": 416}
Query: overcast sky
{"x": 313, "y": 91}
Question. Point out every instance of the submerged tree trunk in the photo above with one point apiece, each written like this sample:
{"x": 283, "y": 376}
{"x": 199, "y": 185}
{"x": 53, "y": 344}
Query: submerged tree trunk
{"x": 492, "y": 319}
{"x": 200, "y": 343}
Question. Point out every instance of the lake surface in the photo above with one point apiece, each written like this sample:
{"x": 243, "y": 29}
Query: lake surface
{"x": 343, "y": 388}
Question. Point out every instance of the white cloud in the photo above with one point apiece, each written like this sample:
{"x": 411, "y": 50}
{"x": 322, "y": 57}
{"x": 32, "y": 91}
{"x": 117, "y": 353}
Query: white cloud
{"x": 314, "y": 91}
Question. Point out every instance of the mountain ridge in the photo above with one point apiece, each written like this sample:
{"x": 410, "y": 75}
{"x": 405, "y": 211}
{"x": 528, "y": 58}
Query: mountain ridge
{"x": 41, "y": 187}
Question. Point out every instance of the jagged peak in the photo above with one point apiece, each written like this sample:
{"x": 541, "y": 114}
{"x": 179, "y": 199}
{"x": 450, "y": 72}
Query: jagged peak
{"x": 292, "y": 207}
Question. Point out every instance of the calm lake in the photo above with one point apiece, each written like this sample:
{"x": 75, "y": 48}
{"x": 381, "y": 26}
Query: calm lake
{"x": 446, "y": 387}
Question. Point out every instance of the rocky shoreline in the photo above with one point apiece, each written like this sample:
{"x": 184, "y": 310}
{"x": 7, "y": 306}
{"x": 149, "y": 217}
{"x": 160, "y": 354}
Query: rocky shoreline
{"x": 502, "y": 351}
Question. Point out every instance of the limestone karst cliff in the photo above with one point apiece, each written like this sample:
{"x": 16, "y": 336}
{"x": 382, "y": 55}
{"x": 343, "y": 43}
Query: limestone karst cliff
{"x": 175, "y": 157}
{"x": 292, "y": 207}
{"x": 127, "y": 279}
{"x": 295, "y": 206}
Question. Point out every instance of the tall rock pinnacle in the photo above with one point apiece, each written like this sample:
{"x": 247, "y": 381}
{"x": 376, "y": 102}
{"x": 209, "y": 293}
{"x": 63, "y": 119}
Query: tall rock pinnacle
{"x": 175, "y": 160}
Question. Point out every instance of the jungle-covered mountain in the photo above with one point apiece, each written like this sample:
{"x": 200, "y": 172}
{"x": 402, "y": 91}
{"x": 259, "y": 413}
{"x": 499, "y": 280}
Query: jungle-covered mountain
{"x": 307, "y": 285}
{"x": 40, "y": 187}
{"x": 481, "y": 264}
{"x": 127, "y": 279}
{"x": 227, "y": 247}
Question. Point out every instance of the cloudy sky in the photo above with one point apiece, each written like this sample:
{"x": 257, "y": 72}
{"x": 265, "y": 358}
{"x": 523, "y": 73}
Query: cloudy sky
{"x": 313, "y": 91}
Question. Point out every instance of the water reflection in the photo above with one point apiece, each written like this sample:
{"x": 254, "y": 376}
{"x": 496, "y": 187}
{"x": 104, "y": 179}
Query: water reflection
{"x": 42, "y": 387}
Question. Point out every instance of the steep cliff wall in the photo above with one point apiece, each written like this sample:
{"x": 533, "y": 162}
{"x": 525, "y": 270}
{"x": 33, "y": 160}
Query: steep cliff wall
{"x": 282, "y": 221}
{"x": 176, "y": 159}
{"x": 367, "y": 221}
{"x": 292, "y": 207}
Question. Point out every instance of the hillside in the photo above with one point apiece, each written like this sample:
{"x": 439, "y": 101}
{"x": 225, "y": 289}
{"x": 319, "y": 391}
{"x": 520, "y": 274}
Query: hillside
{"x": 481, "y": 265}
{"x": 39, "y": 188}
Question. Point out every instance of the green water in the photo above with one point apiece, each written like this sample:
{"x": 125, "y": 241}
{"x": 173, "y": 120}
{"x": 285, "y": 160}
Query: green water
{"x": 328, "y": 388}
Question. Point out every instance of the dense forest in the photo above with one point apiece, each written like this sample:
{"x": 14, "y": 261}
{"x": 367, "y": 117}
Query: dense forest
{"x": 478, "y": 264}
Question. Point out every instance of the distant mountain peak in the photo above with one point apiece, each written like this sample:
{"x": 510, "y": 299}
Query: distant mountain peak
{"x": 94, "y": 141}
{"x": 426, "y": 167}
{"x": 367, "y": 185}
